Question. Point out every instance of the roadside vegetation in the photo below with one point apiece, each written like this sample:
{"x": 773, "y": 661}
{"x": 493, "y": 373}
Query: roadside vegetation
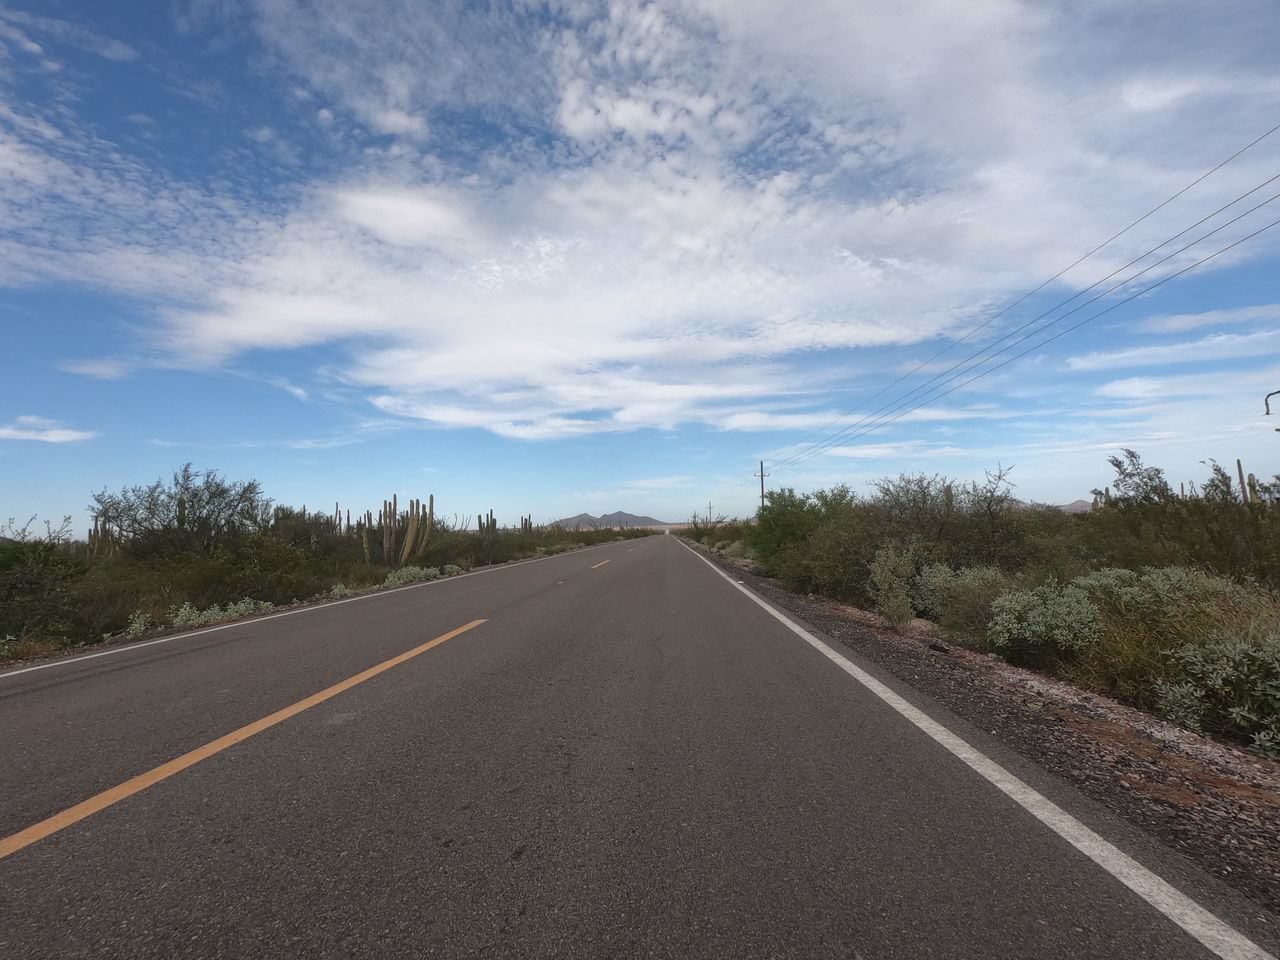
{"x": 1166, "y": 600}
{"x": 198, "y": 549}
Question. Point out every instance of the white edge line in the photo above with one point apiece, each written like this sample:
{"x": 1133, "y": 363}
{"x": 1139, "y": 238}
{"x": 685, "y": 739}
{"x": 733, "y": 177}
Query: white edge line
{"x": 309, "y": 608}
{"x": 1216, "y": 936}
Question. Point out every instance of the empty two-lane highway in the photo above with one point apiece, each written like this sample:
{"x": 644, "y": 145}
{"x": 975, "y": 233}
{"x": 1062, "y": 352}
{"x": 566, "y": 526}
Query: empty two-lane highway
{"x": 615, "y": 752}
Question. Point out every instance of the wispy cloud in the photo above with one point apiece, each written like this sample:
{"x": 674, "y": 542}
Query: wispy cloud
{"x": 890, "y": 451}
{"x": 1177, "y": 323}
{"x": 42, "y": 430}
{"x": 1222, "y": 346}
{"x": 101, "y": 368}
{"x": 25, "y": 28}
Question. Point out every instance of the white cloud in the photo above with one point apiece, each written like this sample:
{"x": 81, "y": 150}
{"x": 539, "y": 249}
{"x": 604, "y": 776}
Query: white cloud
{"x": 17, "y": 21}
{"x": 1222, "y": 346}
{"x": 890, "y": 451}
{"x": 1177, "y": 323}
{"x": 42, "y": 430}
{"x": 100, "y": 368}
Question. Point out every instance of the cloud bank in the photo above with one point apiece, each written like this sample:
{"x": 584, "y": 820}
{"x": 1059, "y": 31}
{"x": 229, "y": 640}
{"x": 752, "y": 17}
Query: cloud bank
{"x": 580, "y": 219}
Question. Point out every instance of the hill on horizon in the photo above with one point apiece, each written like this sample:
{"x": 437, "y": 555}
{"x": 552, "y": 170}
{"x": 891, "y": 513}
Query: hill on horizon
{"x": 616, "y": 519}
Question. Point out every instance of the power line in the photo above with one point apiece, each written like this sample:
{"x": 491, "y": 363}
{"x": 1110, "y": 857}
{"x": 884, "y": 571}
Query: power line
{"x": 844, "y": 433}
{"x": 1073, "y": 327}
{"x": 1164, "y": 203}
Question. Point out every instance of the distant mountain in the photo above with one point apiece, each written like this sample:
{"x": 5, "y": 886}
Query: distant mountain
{"x": 585, "y": 521}
{"x": 1076, "y": 506}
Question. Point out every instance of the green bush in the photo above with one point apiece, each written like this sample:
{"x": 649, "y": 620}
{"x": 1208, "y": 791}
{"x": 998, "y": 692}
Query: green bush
{"x": 1146, "y": 613}
{"x": 451, "y": 570}
{"x": 959, "y": 600}
{"x": 1230, "y": 687}
{"x": 786, "y": 519}
{"x": 38, "y": 580}
{"x": 1045, "y": 626}
{"x": 891, "y": 572}
{"x": 835, "y": 558}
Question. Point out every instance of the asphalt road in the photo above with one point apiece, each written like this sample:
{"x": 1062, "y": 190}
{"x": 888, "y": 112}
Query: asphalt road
{"x": 627, "y": 758}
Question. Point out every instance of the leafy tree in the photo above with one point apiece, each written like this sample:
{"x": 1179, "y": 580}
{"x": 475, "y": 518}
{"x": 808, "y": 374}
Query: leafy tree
{"x": 196, "y": 512}
{"x": 1135, "y": 482}
{"x": 37, "y": 575}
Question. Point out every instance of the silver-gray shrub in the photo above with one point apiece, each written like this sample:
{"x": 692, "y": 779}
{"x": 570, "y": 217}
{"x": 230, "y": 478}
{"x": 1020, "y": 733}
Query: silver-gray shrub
{"x": 931, "y": 588}
{"x": 139, "y": 623}
{"x": 1045, "y": 625}
{"x": 410, "y": 574}
{"x": 1229, "y": 687}
{"x": 187, "y": 615}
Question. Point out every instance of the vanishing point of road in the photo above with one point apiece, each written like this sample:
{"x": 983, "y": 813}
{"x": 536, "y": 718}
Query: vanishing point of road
{"x": 615, "y": 752}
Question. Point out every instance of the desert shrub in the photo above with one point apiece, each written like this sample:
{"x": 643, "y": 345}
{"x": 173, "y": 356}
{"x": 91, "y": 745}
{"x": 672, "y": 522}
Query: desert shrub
{"x": 835, "y": 558}
{"x": 959, "y": 600}
{"x": 410, "y": 574}
{"x": 891, "y": 572}
{"x": 1146, "y": 613}
{"x": 187, "y": 616}
{"x": 139, "y": 623}
{"x": 739, "y": 549}
{"x": 38, "y": 584}
{"x": 1045, "y": 626}
{"x": 246, "y": 608}
{"x": 452, "y": 569}
{"x": 1229, "y": 687}
{"x": 930, "y": 589}
{"x": 785, "y": 521}
{"x": 339, "y": 590}
{"x": 196, "y": 512}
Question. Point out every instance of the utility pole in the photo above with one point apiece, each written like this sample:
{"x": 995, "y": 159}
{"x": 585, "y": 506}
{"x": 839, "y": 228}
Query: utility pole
{"x": 761, "y": 475}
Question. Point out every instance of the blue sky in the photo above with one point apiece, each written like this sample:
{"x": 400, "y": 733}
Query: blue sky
{"x": 554, "y": 257}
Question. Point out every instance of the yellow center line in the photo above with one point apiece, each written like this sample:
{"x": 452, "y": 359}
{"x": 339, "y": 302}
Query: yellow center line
{"x": 601, "y": 563}
{"x": 107, "y": 798}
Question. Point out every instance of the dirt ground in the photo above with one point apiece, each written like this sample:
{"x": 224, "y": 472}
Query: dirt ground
{"x": 1216, "y": 804}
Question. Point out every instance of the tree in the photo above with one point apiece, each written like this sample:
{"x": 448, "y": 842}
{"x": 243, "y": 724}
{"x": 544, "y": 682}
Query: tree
{"x": 194, "y": 513}
{"x": 1136, "y": 482}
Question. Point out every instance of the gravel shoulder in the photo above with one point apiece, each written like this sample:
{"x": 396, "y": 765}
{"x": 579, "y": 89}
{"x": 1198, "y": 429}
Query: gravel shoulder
{"x": 1214, "y": 803}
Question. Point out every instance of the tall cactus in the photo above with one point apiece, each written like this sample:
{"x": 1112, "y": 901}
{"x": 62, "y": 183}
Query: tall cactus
{"x": 425, "y": 537}
{"x": 411, "y": 532}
